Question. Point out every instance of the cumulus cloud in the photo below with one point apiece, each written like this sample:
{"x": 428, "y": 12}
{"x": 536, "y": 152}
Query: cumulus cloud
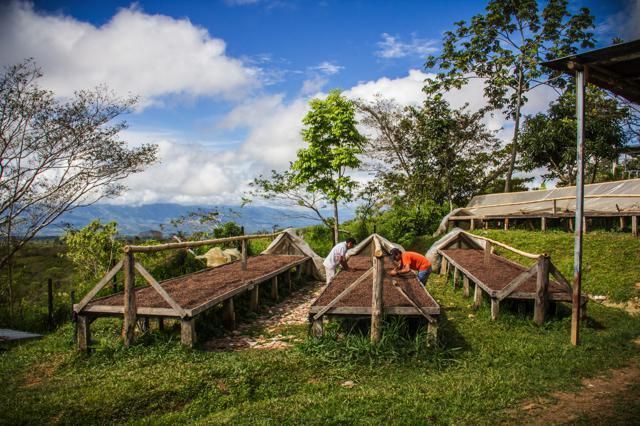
{"x": 134, "y": 52}
{"x": 392, "y": 47}
{"x": 328, "y": 68}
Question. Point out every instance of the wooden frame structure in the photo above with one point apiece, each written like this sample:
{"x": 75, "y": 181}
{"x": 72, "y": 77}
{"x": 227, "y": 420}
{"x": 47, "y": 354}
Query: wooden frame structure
{"x": 545, "y": 290}
{"x": 376, "y": 273}
{"x": 88, "y": 309}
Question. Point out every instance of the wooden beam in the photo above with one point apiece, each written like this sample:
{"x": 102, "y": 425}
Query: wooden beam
{"x": 487, "y": 252}
{"x": 443, "y": 266}
{"x": 412, "y": 302}
{"x": 188, "y": 332}
{"x": 621, "y": 223}
{"x": 158, "y": 288}
{"x": 344, "y": 293}
{"x": 495, "y": 309}
{"x": 229, "y": 314}
{"x": 477, "y": 296}
{"x": 561, "y": 279}
{"x": 274, "y": 288}
{"x": 109, "y": 310}
{"x": 83, "y": 333}
{"x": 506, "y": 223}
{"x": 128, "y": 328}
{"x": 244, "y": 255}
{"x": 376, "y": 299}
{"x": 472, "y": 224}
{"x": 287, "y": 279}
{"x": 542, "y": 284}
{"x": 499, "y": 244}
{"x": 77, "y": 308}
{"x": 188, "y": 244}
{"x": 516, "y": 282}
{"x": 317, "y": 327}
{"x": 377, "y": 247}
{"x": 634, "y": 226}
{"x": 365, "y": 311}
{"x": 455, "y": 277}
{"x": 543, "y": 223}
{"x": 465, "y": 286}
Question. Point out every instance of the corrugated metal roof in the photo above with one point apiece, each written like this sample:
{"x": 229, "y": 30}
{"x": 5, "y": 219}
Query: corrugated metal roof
{"x": 615, "y": 68}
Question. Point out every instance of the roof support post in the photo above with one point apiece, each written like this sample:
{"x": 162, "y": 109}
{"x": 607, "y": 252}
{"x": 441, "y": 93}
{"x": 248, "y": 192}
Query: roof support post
{"x": 577, "y": 253}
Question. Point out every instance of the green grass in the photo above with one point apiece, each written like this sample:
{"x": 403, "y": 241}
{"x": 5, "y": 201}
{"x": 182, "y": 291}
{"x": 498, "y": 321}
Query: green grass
{"x": 478, "y": 371}
{"x": 610, "y": 259}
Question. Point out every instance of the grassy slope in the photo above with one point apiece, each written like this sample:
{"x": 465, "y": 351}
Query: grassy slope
{"x": 611, "y": 263}
{"x": 482, "y": 369}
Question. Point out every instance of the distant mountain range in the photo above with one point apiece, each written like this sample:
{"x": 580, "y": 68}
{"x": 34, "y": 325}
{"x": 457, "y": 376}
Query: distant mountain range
{"x": 141, "y": 219}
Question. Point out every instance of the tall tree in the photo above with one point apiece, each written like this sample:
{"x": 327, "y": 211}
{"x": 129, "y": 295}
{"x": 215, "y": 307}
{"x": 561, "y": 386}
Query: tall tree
{"x": 549, "y": 139}
{"x": 432, "y": 152}
{"x": 333, "y": 147}
{"x": 57, "y": 155}
{"x": 504, "y": 47}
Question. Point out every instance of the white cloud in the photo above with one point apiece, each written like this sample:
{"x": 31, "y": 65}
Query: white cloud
{"x": 623, "y": 24}
{"x": 404, "y": 90}
{"x": 134, "y": 52}
{"x": 328, "y": 68}
{"x": 391, "y": 47}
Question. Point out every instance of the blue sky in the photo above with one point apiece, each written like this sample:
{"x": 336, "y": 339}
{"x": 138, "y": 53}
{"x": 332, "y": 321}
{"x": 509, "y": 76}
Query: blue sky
{"x": 224, "y": 84}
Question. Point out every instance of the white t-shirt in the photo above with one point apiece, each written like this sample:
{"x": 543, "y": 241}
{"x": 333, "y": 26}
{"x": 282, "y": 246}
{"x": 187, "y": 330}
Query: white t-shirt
{"x": 338, "y": 251}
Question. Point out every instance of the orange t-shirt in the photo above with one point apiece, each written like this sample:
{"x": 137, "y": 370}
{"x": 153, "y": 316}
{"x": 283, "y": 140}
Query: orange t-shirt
{"x": 416, "y": 261}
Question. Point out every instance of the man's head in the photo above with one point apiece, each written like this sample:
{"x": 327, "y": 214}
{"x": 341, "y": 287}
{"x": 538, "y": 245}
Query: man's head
{"x": 396, "y": 254}
{"x": 350, "y": 242}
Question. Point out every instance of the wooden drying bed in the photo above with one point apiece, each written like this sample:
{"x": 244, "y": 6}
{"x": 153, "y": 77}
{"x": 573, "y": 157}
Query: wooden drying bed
{"x": 503, "y": 279}
{"x": 357, "y": 300}
{"x": 187, "y": 296}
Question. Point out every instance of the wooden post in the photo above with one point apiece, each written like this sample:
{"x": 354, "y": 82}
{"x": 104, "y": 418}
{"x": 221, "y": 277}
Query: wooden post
{"x": 432, "y": 332}
{"x": 50, "y": 303}
{"x": 571, "y": 224}
{"x": 455, "y": 277}
{"x": 584, "y": 225}
{"x": 477, "y": 297}
{"x": 129, "y": 326}
{"x": 376, "y": 296}
{"x": 254, "y": 296}
{"x": 465, "y": 286}
{"x": 555, "y": 207}
{"x": 621, "y": 223}
{"x": 495, "y": 308}
{"x": 229, "y": 314}
{"x": 298, "y": 273}
{"x": 317, "y": 327}
{"x": 472, "y": 224}
{"x": 542, "y": 283}
{"x": 188, "y": 332}
{"x": 506, "y": 223}
{"x": 485, "y": 224}
{"x": 487, "y": 252}
{"x": 145, "y": 324}
{"x": 244, "y": 255}
{"x": 83, "y": 333}
{"x": 274, "y": 288}
{"x": 543, "y": 223}
{"x": 634, "y": 226}
{"x": 443, "y": 266}
{"x": 287, "y": 279}
{"x": 160, "y": 324}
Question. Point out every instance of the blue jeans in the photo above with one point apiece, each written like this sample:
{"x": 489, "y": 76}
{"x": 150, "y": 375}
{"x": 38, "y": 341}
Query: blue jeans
{"x": 423, "y": 276}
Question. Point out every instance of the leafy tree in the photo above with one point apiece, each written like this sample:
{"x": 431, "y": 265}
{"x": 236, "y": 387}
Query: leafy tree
{"x": 504, "y": 47}
{"x": 319, "y": 174}
{"x": 57, "y": 155}
{"x": 431, "y": 152}
{"x": 333, "y": 147}
{"x": 93, "y": 249}
{"x": 549, "y": 139}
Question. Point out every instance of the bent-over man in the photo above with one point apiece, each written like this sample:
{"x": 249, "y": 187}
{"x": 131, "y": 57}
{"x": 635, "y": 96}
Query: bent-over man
{"x": 408, "y": 261}
{"x": 337, "y": 258}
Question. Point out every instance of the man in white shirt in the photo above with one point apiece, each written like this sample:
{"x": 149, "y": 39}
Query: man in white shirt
{"x": 337, "y": 258}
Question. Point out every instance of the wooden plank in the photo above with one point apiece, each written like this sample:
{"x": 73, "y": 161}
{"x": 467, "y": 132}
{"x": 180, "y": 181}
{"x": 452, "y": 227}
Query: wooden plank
{"x": 388, "y": 310}
{"x": 487, "y": 252}
{"x": 188, "y": 244}
{"x": 455, "y": 277}
{"x": 412, "y": 302}
{"x": 506, "y": 223}
{"x": 248, "y": 285}
{"x": 499, "y": 244}
{"x": 128, "y": 328}
{"x": 559, "y": 277}
{"x": 465, "y": 286}
{"x": 344, "y": 293}
{"x": 634, "y": 226}
{"x": 542, "y": 284}
{"x": 317, "y": 327}
{"x": 158, "y": 288}
{"x": 229, "y": 314}
{"x": 98, "y": 287}
{"x": 83, "y": 333}
{"x": 516, "y": 282}
{"x": 287, "y": 280}
{"x": 188, "y": 332}
{"x": 621, "y": 223}
{"x": 109, "y": 310}
{"x": 377, "y": 247}
{"x": 543, "y": 223}
{"x": 477, "y": 296}
{"x": 376, "y": 299}
{"x": 443, "y": 266}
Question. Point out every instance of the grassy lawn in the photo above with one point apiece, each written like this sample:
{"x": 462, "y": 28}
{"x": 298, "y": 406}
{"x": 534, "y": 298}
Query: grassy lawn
{"x": 478, "y": 372}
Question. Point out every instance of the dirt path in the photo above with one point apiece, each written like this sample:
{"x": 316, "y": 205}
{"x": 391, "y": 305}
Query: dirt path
{"x": 293, "y": 310}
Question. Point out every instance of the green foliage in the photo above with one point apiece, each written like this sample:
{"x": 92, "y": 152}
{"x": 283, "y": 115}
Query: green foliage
{"x": 403, "y": 222}
{"x": 93, "y": 249}
{"x": 505, "y": 47}
{"x": 549, "y": 139}
{"x": 319, "y": 238}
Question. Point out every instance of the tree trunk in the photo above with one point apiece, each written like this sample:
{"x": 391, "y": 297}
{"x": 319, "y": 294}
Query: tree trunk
{"x": 335, "y": 222}
{"x": 516, "y": 133}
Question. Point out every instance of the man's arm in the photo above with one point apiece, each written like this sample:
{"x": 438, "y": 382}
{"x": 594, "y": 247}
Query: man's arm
{"x": 343, "y": 263}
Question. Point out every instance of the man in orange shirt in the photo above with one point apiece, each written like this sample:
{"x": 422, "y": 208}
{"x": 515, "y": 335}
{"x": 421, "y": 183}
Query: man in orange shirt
{"x": 408, "y": 261}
